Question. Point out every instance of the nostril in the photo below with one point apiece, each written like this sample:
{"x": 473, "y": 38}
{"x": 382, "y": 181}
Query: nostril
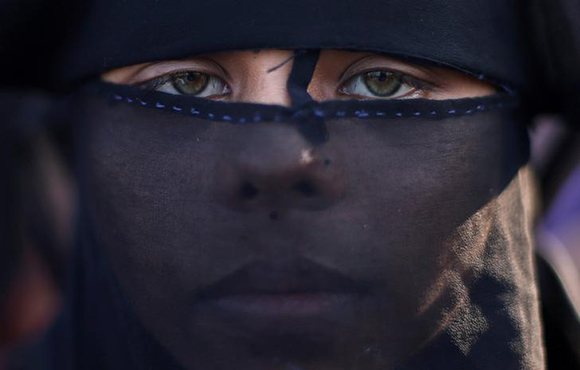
{"x": 248, "y": 191}
{"x": 306, "y": 188}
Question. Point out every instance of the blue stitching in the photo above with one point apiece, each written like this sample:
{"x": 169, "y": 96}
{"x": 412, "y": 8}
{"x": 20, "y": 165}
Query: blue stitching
{"x": 316, "y": 112}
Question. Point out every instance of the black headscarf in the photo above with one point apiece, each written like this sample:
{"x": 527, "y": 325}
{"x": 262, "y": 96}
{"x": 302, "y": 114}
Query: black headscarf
{"x": 402, "y": 241}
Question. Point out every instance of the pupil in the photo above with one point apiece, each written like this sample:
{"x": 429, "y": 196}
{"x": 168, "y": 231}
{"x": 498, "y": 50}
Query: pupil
{"x": 191, "y": 76}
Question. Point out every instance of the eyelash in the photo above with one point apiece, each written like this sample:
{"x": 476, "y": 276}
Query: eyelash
{"x": 157, "y": 82}
{"x": 417, "y": 84}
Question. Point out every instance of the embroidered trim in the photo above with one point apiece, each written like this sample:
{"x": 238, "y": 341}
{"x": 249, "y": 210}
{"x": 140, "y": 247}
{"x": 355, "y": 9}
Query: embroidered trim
{"x": 247, "y": 113}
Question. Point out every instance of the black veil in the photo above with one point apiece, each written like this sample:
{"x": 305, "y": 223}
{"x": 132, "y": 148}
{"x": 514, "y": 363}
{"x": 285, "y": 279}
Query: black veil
{"x": 399, "y": 233}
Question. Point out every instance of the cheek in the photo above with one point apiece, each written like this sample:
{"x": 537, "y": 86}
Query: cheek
{"x": 410, "y": 187}
{"x": 149, "y": 188}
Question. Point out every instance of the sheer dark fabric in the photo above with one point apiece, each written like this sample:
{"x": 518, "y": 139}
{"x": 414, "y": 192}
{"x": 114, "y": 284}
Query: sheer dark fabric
{"x": 402, "y": 240}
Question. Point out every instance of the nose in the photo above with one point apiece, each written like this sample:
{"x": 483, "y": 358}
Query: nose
{"x": 275, "y": 169}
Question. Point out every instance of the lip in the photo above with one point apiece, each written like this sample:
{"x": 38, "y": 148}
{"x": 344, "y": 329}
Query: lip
{"x": 284, "y": 305}
{"x": 283, "y": 290}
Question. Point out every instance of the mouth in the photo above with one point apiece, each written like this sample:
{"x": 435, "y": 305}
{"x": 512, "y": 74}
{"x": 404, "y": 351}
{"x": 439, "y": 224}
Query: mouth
{"x": 283, "y": 290}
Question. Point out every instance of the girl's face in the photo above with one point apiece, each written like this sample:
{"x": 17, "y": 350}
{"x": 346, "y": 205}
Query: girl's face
{"x": 246, "y": 246}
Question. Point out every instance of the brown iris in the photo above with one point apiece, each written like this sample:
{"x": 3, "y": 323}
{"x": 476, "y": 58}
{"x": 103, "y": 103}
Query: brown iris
{"x": 382, "y": 83}
{"x": 190, "y": 83}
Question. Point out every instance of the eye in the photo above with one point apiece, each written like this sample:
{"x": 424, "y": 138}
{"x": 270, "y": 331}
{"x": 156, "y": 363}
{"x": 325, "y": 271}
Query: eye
{"x": 191, "y": 83}
{"x": 380, "y": 84}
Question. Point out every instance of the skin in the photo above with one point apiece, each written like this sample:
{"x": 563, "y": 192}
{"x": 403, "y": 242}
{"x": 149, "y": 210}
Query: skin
{"x": 198, "y": 229}
{"x": 246, "y": 73}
